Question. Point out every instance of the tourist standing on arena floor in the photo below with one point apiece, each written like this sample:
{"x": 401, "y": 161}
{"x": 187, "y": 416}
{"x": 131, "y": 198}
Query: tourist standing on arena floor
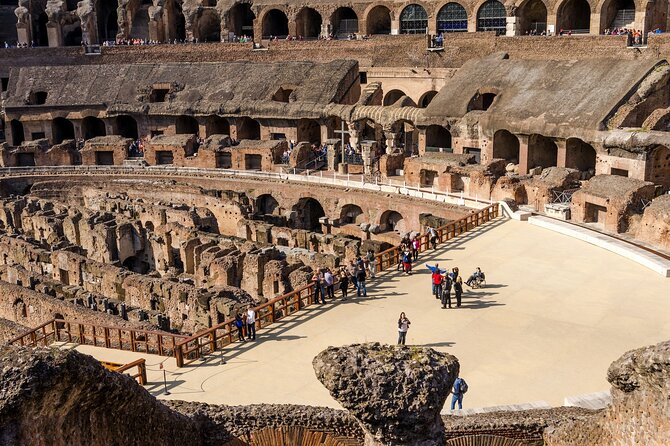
{"x": 436, "y": 280}
{"x": 416, "y": 247}
{"x": 458, "y": 290}
{"x": 407, "y": 261}
{"x": 316, "y": 280}
{"x": 329, "y": 280}
{"x": 344, "y": 283}
{"x": 251, "y": 323}
{"x": 403, "y": 326}
{"x": 360, "y": 280}
{"x": 460, "y": 387}
{"x": 239, "y": 324}
{"x": 446, "y": 291}
{"x": 371, "y": 263}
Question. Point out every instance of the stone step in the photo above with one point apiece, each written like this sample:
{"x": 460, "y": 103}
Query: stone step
{"x": 598, "y": 400}
{"x": 502, "y": 408}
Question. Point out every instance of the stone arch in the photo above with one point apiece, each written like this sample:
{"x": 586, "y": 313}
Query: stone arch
{"x": 248, "y": 128}
{"x": 41, "y": 35}
{"x": 108, "y": 20}
{"x": 309, "y": 130}
{"x": 542, "y": 151}
{"x": 437, "y": 137}
{"x": 307, "y": 212}
{"x": 18, "y": 134}
{"x": 175, "y": 22}
{"x": 492, "y": 16}
{"x": 344, "y": 21}
{"x": 351, "y": 214}
{"x": 621, "y": 10}
{"x": 378, "y": 20}
{"x": 506, "y": 146}
{"x": 392, "y": 221}
{"x": 208, "y": 27}
{"x": 217, "y": 125}
{"x": 413, "y": 19}
{"x": 659, "y": 170}
{"x": 127, "y": 126}
{"x": 393, "y": 96}
{"x": 484, "y": 440}
{"x": 405, "y": 136}
{"x": 92, "y": 127}
{"x": 295, "y": 436}
{"x": 308, "y": 23}
{"x": 482, "y": 100}
{"x": 579, "y": 155}
{"x": 574, "y": 15}
{"x": 532, "y": 17}
{"x": 266, "y": 204}
{"x": 427, "y": 98}
{"x": 452, "y": 17}
{"x": 241, "y": 19}
{"x": 275, "y": 23}
{"x": 186, "y": 125}
{"x": 62, "y": 129}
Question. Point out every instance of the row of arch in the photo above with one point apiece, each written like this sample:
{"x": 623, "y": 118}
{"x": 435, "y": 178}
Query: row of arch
{"x": 416, "y": 18}
{"x": 308, "y": 211}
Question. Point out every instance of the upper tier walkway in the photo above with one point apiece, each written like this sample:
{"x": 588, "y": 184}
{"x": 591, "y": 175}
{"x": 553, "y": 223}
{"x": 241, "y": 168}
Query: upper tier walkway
{"x": 556, "y": 312}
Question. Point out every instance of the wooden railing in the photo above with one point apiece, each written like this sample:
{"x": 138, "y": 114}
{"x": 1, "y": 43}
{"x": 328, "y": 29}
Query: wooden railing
{"x": 217, "y": 337}
{"x": 120, "y": 338}
{"x": 391, "y": 257}
{"x": 141, "y": 375}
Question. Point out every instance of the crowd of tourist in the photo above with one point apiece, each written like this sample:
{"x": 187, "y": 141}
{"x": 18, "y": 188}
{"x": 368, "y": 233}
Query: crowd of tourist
{"x": 136, "y": 149}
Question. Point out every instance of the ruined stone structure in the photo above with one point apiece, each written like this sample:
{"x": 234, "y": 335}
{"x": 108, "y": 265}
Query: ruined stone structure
{"x": 32, "y": 381}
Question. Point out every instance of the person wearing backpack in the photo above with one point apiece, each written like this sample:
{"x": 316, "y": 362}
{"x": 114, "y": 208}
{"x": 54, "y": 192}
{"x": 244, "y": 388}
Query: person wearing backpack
{"x": 459, "y": 389}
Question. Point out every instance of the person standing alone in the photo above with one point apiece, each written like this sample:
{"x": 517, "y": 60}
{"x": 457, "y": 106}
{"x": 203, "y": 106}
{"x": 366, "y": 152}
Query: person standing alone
{"x": 403, "y": 326}
{"x": 251, "y": 323}
{"x": 459, "y": 389}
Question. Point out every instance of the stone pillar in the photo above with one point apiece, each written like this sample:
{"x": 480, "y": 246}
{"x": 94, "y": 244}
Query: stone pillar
{"x": 551, "y": 23}
{"x": 292, "y": 28}
{"x": 354, "y": 134}
{"x": 523, "y": 154}
{"x": 258, "y": 30}
{"x": 562, "y": 157}
{"x": 395, "y": 27}
{"x": 511, "y": 29}
{"x": 326, "y": 28}
{"x": 334, "y": 153}
{"x": 55, "y": 34}
{"x": 422, "y": 141}
{"x": 366, "y": 154}
{"x": 472, "y": 23}
{"x": 595, "y": 23}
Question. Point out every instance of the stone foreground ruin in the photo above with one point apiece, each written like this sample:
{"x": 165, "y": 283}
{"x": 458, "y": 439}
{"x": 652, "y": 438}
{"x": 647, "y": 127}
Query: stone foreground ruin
{"x": 393, "y": 394}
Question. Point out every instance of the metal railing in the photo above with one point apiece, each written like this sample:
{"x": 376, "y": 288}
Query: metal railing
{"x": 119, "y": 338}
{"x": 223, "y": 334}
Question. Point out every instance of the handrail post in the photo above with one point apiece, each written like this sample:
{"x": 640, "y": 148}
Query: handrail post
{"x": 212, "y": 340}
{"x": 133, "y": 346}
{"x": 142, "y": 372}
{"x": 54, "y": 325}
{"x": 179, "y": 356}
{"x": 107, "y": 341}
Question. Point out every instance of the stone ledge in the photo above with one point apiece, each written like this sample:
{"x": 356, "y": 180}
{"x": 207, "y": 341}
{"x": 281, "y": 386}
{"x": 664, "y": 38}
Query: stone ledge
{"x": 631, "y": 252}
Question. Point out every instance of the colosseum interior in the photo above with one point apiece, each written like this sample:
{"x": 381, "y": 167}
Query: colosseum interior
{"x": 168, "y": 165}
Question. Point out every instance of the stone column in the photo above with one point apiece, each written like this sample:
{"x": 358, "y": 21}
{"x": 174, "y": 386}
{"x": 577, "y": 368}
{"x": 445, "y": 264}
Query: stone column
{"x": 562, "y": 156}
{"x": 292, "y": 28}
{"x": 472, "y": 23}
{"x": 422, "y": 141}
{"x": 334, "y": 152}
{"x": 523, "y": 154}
{"x": 54, "y": 34}
{"x": 395, "y": 27}
{"x": 551, "y": 22}
{"x": 326, "y": 28}
{"x": 511, "y": 28}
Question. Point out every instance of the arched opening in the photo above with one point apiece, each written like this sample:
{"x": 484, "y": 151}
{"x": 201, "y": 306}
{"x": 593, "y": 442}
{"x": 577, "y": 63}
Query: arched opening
{"x": 660, "y": 166}
{"x": 209, "y": 26}
{"x": 574, "y": 16}
{"x": 378, "y": 20}
{"x": 186, "y": 125}
{"x": 92, "y": 127}
{"x": 217, "y": 125}
{"x": 309, "y": 130}
{"x": 452, "y": 18}
{"x": 492, "y": 17}
{"x": 266, "y": 204}
{"x": 392, "y": 221}
{"x": 617, "y": 14}
{"x": 107, "y": 20}
{"x": 242, "y": 20}
{"x": 506, "y": 146}
{"x": 136, "y": 265}
{"x": 62, "y": 129}
{"x": 427, "y": 98}
{"x": 17, "y": 132}
{"x": 127, "y": 126}
{"x": 481, "y": 101}
{"x": 248, "y": 128}
{"x": 41, "y": 34}
{"x": 393, "y": 96}
{"x": 532, "y": 17}
{"x": 308, "y": 211}
{"x": 139, "y": 23}
{"x": 176, "y": 22}
{"x": 580, "y": 155}
{"x": 38, "y": 98}
{"x": 351, "y": 214}
{"x": 72, "y": 34}
{"x": 438, "y": 139}
{"x": 405, "y": 137}
{"x": 308, "y": 23}
{"x": 413, "y": 20}
{"x": 275, "y": 23}
{"x": 542, "y": 151}
{"x": 344, "y": 21}
{"x": 20, "y": 310}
